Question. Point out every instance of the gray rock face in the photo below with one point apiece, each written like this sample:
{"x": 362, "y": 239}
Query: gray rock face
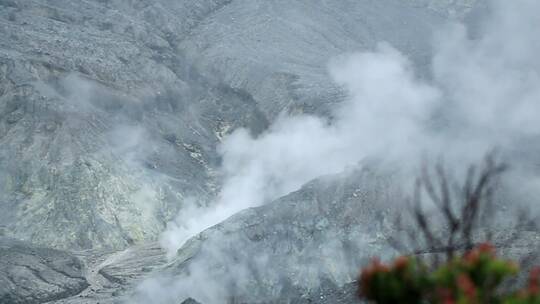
{"x": 308, "y": 246}
{"x": 113, "y": 275}
{"x": 31, "y": 274}
{"x": 303, "y": 248}
{"x": 111, "y": 111}
{"x": 105, "y": 129}
{"x": 110, "y": 115}
{"x": 280, "y": 49}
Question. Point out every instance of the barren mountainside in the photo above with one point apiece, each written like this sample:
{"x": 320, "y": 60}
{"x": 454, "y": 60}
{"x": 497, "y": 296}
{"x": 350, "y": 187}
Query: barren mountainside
{"x": 111, "y": 110}
{"x": 112, "y": 116}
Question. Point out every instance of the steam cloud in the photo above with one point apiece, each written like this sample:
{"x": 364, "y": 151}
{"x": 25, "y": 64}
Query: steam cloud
{"x": 387, "y": 109}
{"x": 484, "y": 92}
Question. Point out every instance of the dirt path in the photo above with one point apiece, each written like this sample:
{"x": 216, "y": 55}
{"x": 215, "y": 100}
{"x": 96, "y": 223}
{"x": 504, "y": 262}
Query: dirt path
{"x": 111, "y": 274}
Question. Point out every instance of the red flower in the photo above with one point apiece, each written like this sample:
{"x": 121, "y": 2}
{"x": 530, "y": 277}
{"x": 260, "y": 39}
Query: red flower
{"x": 473, "y": 255}
{"x": 401, "y": 263}
{"x": 486, "y": 248}
{"x": 534, "y": 280}
{"x": 466, "y": 285}
{"x": 367, "y": 274}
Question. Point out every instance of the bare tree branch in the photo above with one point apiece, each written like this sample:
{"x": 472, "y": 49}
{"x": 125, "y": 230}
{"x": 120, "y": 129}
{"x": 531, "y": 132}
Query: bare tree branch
{"x": 473, "y": 200}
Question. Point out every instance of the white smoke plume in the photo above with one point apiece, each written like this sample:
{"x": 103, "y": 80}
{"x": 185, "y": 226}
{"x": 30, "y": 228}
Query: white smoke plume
{"x": 484, "y": 92}
{"x": 300, "y": 148}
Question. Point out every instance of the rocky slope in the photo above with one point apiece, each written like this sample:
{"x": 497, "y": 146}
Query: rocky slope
{"x": 305, "y": 247}
{"x": 111, "y": 112}
{"x": 98, "y": 120}
{"x": 113, "y": 275}
{"x": 30, "y": 274}
{"x": 301, "y": 248}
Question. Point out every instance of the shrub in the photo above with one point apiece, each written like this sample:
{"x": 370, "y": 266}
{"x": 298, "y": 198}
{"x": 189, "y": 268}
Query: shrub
{"x": 474, "y": 277}
{"x": 447, "y": 264}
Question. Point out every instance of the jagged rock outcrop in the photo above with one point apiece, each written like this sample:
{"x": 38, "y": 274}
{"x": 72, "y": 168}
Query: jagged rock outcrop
{"x": 30, "y": 274}
{"x": 308, "y": 246}
{"x": 302, "y": 248}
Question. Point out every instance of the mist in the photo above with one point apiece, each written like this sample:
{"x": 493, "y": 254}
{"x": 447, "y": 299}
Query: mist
{"x": 484, "y": 93}
{"x": 255, "y": 151}
{"x": 385, "y": 112}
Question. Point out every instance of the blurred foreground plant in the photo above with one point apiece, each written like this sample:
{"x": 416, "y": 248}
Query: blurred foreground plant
{"x": 474, "y": 277}
{"x": 447, "y": 263}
